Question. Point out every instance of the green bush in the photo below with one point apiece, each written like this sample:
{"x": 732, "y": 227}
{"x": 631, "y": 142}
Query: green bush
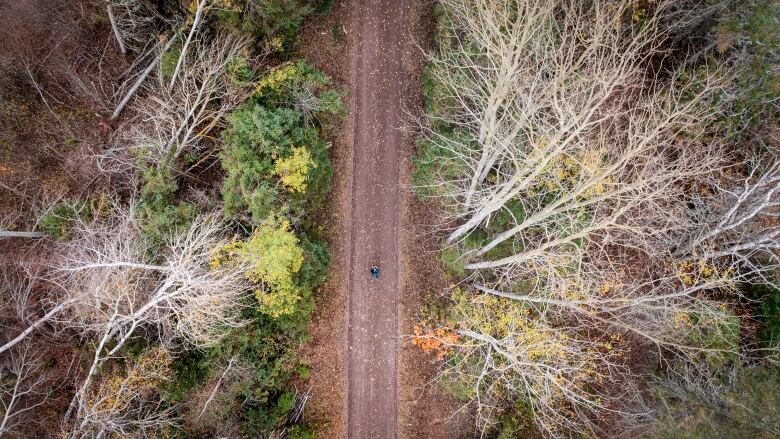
{"x": 265, "y": 132}
{"x": 455, "y": 265}
{"x": 517, "y": 423}
{"x": 281, "y": 19}
{"x": 59, "y": 221}
{"x": 300, "y": 86}
{"x": 168, "y": 62}
{"x": 434, "y": 164}
{"x": 768, "y": 313}
{"x": 256, "y": 138}
{"x": 261, "y": 400}
{"x": 316, "y": 261}
{"x": 747, "y": 42}
{"x": 301, "y": 432}
{"x": 718, "y": 329}
{"x": 747, "y": 405}
{"x": 240, "y": 72}
{"x": 159, "y": 214}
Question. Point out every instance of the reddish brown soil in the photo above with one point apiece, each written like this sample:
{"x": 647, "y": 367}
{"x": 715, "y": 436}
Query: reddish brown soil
{"x": 380, "y": 29}
{"x": 381, "y": 387}
{"x": 48, "y": 127}
{"x": 425, "y": 411}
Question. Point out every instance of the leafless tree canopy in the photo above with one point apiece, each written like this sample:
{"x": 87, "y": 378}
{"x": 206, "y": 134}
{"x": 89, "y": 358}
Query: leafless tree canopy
{"x": 588, "y": 162}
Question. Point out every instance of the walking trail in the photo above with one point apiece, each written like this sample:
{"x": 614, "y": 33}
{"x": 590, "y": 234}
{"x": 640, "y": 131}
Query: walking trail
{"x": 376, "y": 76}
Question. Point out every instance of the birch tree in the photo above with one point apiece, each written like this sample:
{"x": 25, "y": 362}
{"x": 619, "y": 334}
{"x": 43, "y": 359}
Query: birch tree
{"x": 119, "y": 292}
{"x": 24, "y": 387}
{"x": 589, "y": 210}
{"x": 126, "y": 403}
{"x": 110, "y": 291}
{"x": 175, "y": 121}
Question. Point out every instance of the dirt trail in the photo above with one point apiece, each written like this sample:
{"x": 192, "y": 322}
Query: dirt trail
{"x": 376, "y": 76}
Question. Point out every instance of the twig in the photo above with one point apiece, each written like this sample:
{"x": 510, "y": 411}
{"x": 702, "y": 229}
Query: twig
{"x": 141, "y": 79}
{"x": 116, "y": 30}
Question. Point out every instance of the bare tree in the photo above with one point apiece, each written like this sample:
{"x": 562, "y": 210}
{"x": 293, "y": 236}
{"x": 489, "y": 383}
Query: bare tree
{"x": 735, "y": 218}
{"x": 20, "y": 282}
{"x": 183, "y": 115}
{"x": 110, "y": 290}
{"x": 554, "y": 370}
{"x": 202, "y": 8}
{"x": 119, "y": 292}
{"x": 24, "y": 386}
{"x": 552, "y": 99}
{"x": 126, "y": 403}
{"x": 575, "y": 164}
{"x": 174, "y": 121}
{"x": 142, "y": 77}
{"x": 133, "y": 23}
{"x": 670, "y": 303}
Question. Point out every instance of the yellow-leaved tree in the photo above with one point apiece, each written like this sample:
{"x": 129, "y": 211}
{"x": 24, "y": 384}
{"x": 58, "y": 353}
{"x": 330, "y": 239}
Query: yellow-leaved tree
{"x": 294, "y": 169}
{"x": 273, "y": 256}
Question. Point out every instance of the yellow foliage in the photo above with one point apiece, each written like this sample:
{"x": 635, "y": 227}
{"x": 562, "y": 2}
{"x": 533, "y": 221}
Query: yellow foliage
{"x": 276, "y": 78}
{"x": 682, "y": 320}
{"x": 224, "y": 254}
{"x": 276, "y": 44}
{"x": 293, "y": 170}
{"x": 702, "y": 271}
{"x": 274, "y": 257}
{"x": 140, "y": 380}
{"x": 564, "y": 172}
{"x": 502, "y": 318}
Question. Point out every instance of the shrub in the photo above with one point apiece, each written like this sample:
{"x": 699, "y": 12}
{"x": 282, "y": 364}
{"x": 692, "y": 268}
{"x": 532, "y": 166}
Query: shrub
{"x": 293, "y": 170}
{"x": 260, "y": 151}
{"x": 168, "y": 62}
{"x": 302, "y": 432}
{"x": 768, "y": 310}
{"x": 746, "y": 40}
{"x": 280, "y": 19}
{"x": 715, "y": 328}
{"x": 255, "y": 137}
{"x": 315, "y": 263}
{"x": 240, "y": 72}
{"x": 59, "y": 221}
{"x": 743, "y": 404}
{"x": 274, "y": 258}
{"x": 453, "y": 262}
{"x": 517, "y": 423}
{"x": 300, "y": 86}
{"x": 158, "y": 212}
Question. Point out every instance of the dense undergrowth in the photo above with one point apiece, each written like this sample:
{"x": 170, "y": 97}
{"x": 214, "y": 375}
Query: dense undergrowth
{"x": 543, "y": 241}
{"x": 238, "y": 188}
{"x": 277, "y": 174}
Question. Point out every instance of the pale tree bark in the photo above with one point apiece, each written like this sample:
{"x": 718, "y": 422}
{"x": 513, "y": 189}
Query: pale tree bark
{"x": 49, "y": 316}
{"x": 114, "y": 27}
{"x": 17, "y": 234}
{"x": 174, "y": 122}
{"x": 183, "y": 298}
{"x": 201, "y": 6}
{"x": 217, "y": 386}
{"x": 141, "y": 78}
{"x": 618, "y": 220}
{"x": 126, "y": 404}
{"x": 25, "y": 382}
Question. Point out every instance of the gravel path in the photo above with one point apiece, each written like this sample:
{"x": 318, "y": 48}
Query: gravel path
{"x": 376, "y": 79}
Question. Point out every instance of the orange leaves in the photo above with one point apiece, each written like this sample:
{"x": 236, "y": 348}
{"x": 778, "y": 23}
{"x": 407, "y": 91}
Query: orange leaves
{"x": 436, "y": 341}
